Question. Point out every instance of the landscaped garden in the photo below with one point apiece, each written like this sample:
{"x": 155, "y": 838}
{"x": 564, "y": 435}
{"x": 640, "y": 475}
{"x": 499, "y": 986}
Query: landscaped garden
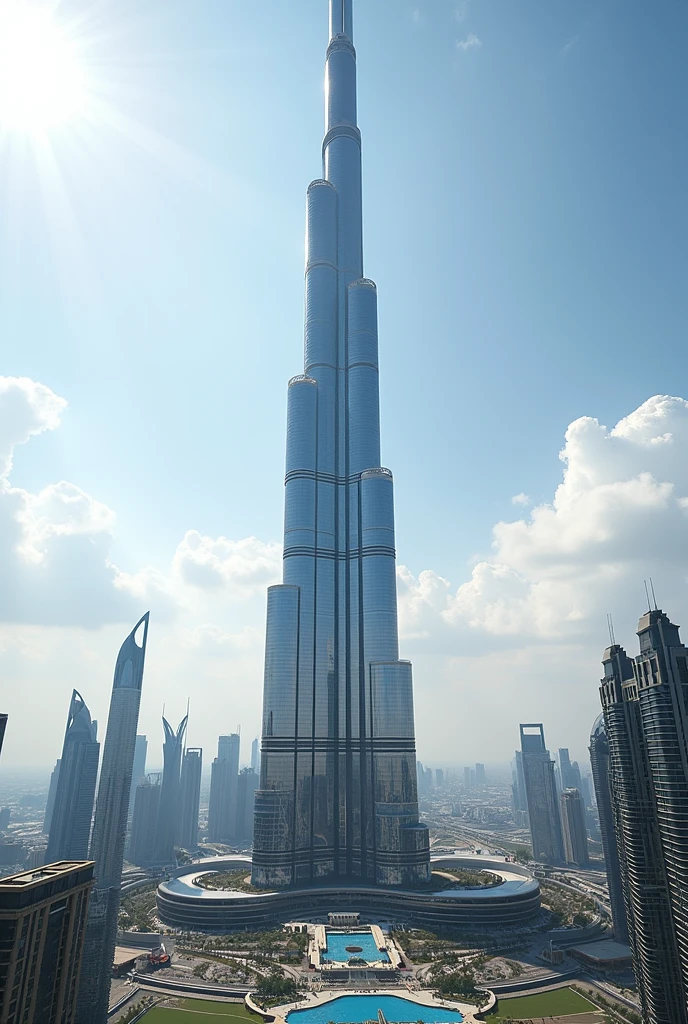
{"x": 200, "y": 1011}
{"x": 558, "y": 1002}
{"x": 239, "y": 881}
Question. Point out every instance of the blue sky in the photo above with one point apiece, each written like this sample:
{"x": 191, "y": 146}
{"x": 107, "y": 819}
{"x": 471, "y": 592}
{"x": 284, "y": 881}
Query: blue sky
{"x": 525, "y": 221}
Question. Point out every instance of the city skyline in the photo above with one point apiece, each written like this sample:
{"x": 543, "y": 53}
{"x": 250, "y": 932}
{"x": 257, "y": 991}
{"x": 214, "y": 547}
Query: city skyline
{"x": 532, "y": 606}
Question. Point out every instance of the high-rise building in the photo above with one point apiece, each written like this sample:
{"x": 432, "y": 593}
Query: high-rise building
{"x": 224, "y": 782}
{"x": 573, "y": 828}
{"x": 139, "y": 769}
{"x": 255, "y": 756}
{"x": 480, "y": 774}
{"x": 565, "y": 769}
{"x": 110, "y": 828}
{"x": 439, "y": 777}
{"x": 541, "y": 795}
{"x": 248, "y": 783}
{"x": 645, "y": 705}
{"x": 599, "y": 760}
{"x": 3, "y": 726}
{"x": 338, "y": 794}
{"x": 42, "y": 926}
{"x": 190, "y": 797}
{"x": 52, "y": 793}
{"x": 518, "y": 785}
{"x": 144, "y": 820}
{"x": 168, "y": 812}
{"x": 467, "y": 778}
{"x": 70, "y": 827}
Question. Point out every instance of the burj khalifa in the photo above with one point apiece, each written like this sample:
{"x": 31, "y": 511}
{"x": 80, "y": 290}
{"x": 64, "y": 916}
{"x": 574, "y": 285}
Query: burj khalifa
{"x": 338, "y": 794}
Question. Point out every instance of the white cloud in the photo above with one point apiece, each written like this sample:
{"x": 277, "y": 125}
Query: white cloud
{"x": 520, "y": 499}
{"x": 55, "y": 544}
{"x": 471, "y": 42}
{"x": 242, "y": 566}
{"x": 618, "y": 516}
{"x": 26, "y": 409}
{"x": 417, "y": 16}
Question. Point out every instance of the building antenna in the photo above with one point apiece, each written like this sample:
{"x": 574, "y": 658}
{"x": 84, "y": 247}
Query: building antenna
{"x": 652, "y": 588}
{"x": 610, "y": 627}
{"x": 647, "y": 595}
{"x": 186, "y": 731}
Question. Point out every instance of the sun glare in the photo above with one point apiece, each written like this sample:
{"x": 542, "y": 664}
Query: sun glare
{"x": 42, "y": 83}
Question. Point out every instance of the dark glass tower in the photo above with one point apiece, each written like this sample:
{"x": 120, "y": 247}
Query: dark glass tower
{"x": 573, "y": 828}
{"x": 338, "y": 793}
{"x": 645, "y": 706}
{"x": 110, "y": 828}
{"x": 599, "y": 760}
{"x": 168, "y": 812}
{"x": 224, "y": 784}
{"x": 144, "y": 820}
{"x": 541, "y": 795}
{"x": 139, "y": 771}
{"x": 192, "y": 767}
{"x": 70, "y": 826}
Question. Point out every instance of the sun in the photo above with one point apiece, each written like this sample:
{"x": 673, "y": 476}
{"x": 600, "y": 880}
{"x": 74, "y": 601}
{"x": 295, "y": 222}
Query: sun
{"x": 42, "y": 79}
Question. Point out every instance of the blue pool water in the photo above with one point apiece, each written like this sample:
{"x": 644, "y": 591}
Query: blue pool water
{"x": 356, "y": 1009}
{"x": 336, "y": 948}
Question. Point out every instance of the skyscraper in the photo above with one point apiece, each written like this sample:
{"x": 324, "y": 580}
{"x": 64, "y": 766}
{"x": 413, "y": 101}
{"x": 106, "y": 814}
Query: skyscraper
{"x": 168, "y": 812}
{"x": 246, "y": 792}
{"x": 139, "y": 769}
{"x": 599, "y": 759}
{"x": 190, "y": 798}
{"x": 70, "y": 827}
{"x": 480, "y": 778}
{"x": 565, "y": 771}
{"x": 573, "y": 827}
{"x": 541, "y": 795}
{"x": 338, "y": 794}
{"x": 224, "y": 782}
{"x": 52, "y": 793}
{"x": 144, "y": 820}
{"x": 110, "y": 827}
{"x": 3, "y": 726}
{"x": 519, "y": 783}
{"x": 645, "y": 705}
{"x": 42, "y": 927}
{"x": 255, "y": 755}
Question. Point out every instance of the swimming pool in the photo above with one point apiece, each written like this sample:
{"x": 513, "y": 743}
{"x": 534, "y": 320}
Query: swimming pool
{"x": 356, "y": 1009}
{"x": 362, "y": 947}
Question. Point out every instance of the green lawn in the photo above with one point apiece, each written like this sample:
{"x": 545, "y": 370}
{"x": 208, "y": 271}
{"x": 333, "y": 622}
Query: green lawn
{"x": 200, "y": 1011}
{"x": 547, "y": 1004}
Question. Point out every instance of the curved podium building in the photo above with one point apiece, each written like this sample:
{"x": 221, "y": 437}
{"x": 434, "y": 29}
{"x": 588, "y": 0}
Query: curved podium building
{"x": 338, "y": 794}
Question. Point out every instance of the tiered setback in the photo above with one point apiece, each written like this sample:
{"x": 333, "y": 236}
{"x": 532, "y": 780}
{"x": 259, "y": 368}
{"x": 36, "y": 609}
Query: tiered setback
{"x": 514, "y": 903}
{"x": 338, "y": 792}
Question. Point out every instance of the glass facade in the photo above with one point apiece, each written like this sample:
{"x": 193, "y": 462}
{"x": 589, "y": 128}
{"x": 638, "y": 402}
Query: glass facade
{"x": 338, "y": 792}
{"x": 70, "y": 826}
{"x": 110, "y": 828}
{"x": 645, "y": 706}
{"x": 541, "y": 795}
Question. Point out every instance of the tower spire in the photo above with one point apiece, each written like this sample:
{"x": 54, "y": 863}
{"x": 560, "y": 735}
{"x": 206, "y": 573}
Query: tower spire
{"x": 341, "y": 18}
